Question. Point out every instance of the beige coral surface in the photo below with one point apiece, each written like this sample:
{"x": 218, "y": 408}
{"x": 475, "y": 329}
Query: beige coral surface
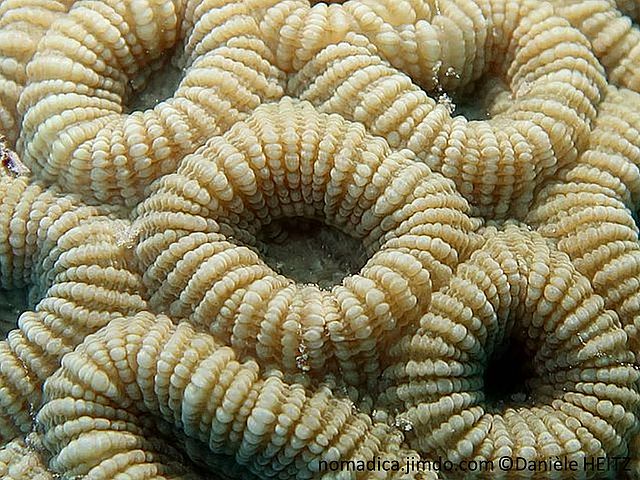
{"x": 158, "y": 340}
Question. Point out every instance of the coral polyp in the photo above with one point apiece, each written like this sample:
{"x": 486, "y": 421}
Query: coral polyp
{"x": 491, "y": 309}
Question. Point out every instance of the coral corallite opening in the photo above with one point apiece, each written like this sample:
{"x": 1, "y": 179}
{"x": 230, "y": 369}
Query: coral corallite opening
{"x": 506, "y": 377}
{"x": 308, "y": 251}
{"x": 160, "y": 86}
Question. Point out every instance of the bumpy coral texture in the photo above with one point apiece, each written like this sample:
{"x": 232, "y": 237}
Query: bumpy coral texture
{"x": 74, "y": 130}
{"x": 22, "y": 460}
{"x": 288, "y": 161}
{"x": 158, "y": 344}
{"x": 583, "y": 382}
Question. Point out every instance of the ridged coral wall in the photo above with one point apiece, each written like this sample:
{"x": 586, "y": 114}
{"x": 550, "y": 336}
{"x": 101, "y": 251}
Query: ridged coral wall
{"x": 158, "y": 343}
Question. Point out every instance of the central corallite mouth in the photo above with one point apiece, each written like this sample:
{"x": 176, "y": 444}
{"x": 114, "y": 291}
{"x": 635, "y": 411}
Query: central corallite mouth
{"x": 521, "y": 305}
{"x": 506, "y": 377}
{"x": 402, "y": 229}
{"x": 157, "y": 85}
{"x": 310, "y": 252}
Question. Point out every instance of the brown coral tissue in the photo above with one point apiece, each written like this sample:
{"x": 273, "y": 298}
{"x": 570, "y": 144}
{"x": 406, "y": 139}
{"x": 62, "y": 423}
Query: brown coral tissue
{"x": 300, "y": 239}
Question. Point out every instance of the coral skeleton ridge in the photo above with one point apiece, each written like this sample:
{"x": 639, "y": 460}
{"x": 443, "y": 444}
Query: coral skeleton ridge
{"x": 482, "y": 155}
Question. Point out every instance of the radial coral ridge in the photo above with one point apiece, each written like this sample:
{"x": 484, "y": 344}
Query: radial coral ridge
{"x": 517, "y": 289}
{"x": 588, "y": 209}
{"x": 554, "y": 79}
{"x": 613, "y": 36}
{"x": 289, "y": 161}
{"x": 191, "y": 382}
{"x": 22, "y": 23}
{"x": 74, "y": 260}
{"x": 138, "y": 237}
{"x": 74, "y": 131}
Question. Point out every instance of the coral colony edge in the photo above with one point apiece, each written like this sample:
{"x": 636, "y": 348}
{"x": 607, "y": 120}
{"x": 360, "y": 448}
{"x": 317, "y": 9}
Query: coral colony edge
{"x": 286, "y": 239}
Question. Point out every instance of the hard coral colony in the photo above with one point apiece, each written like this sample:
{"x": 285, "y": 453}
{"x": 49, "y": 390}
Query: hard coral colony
{"x": 141, "y": 238}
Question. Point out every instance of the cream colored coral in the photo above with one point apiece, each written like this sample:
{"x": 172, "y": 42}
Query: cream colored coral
{"x": 287, "y": 160}
{"x": 72, "y": 309}
{"x": 21, "y": 460}
{"x": 196, "y": 229}
{"x": 33, "y": 220}
{"x": 79, "y": 271}
{"x": 146, "y": 364}
{"x": 426, "y": 38}
{"x": 614, "y": 38}
{"x": 74, "y": 131}
{"x": 22, "y": 24}
{"x": 584, "y": 397}
{"x": 588, "y": 209}
{"x": 555, "y": 83}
